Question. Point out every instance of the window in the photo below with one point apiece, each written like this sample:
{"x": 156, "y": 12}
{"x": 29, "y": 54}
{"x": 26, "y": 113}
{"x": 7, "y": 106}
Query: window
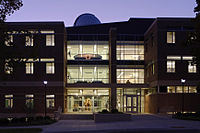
{"x": 170, "y": 66}
{"x": 29, "y": 41}
{"x": 153, "y": 69}
{"x": 87, "y": 73}
{"x": 171, "y": 89}
{"x": 174, "y": 57}
{"x": 50, "y": 69}
{"x": 82, "y": 48}
{"x": 130, "y": 50}
{"x": 50, "y": 40}
{"x": 192, "y": 68}
{"x": 8, "y": 101}
{"x": 29, "y": 101}
{"x": 135, "y": 76}
{"x": 170, "y": 37}
{"x": 9, "y": 41}
{"x": 8, "y": 68}
{"x": 29, "y": 68}
{"x": 50, "y": 101}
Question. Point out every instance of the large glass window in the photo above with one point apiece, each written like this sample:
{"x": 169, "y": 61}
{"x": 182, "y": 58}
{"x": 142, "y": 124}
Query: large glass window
{"x": 87, "y": 99}
{"x": 87, "y": 50}
{"x": 135, "y": 76}
{"x": 130, "y": 50}
{"x": 29, "y": 101}
{"x": 87, "y": 73}
{"x": 29, "y": 68}
{"x": 170, "y": 66}
{"x": 8, "y": 101}
{"x": 170, "y": 37}
{"x": 50, "y": 101}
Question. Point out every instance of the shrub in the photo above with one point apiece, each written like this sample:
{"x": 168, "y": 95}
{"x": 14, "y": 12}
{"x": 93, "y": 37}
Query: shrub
{"x": 104, "y": 111}
{"x": 39, "y": 118}
{"x": 4, "y": 121}
{"x": 114, "y": 111}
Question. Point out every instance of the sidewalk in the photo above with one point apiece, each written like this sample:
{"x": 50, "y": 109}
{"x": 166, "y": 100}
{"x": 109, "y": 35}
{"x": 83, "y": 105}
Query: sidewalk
{"x": 139, "y": 123}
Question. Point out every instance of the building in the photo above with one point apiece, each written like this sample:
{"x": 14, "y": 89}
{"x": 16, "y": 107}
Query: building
{"x": 137, "y": 66}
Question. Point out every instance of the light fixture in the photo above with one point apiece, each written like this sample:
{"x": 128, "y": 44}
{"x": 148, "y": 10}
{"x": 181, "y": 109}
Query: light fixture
{"x": 183, "y": 80}
{"x": 45, "y": 82}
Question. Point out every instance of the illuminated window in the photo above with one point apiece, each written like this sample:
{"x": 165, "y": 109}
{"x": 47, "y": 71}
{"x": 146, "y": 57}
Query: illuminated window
{"x": 153, "y": 68}
{"x": 130, "y": 50}
{"x": 50, "y": 101}
{"x": 170, "y": 66}
{"x": 192, "y": 68}
{"x": 9, "y": 41}
{"x": 88, "y": 73}
{"x": 8, "y": 101}
{"x": 29, "y": 68}
{"x": 170, "y": 37}
{"x": 174, "y": 57}
{"x": 135, "y": 76}
{"x": 50, "y": 40}
{"x": 50, "y": 69}
{"x": 8, "y": 68}
{"x": 192, "y": 89}
{"x": 29, "y": 101}
{"x": 187, "y": 57}
{"x": 171, "y": 89}
{"x": 29, "y": 41}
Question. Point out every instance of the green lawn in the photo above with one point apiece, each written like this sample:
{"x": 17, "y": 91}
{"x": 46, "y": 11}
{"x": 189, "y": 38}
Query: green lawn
{"x": 21, "y": 130}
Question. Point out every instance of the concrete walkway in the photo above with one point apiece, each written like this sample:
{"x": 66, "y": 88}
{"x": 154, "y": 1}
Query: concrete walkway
{"x": 140, "y": 123}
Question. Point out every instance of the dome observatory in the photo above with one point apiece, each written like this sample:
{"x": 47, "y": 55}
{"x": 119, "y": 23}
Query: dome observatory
{"x": 86, "y": 19}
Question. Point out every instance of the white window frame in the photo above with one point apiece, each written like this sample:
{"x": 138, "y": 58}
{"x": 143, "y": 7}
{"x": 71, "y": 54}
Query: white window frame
{"x": 29, "y": 67}
{"x": 192, "y": 68}
{"x": 50, "y": 68}
{"x": 171, "y": 37}
{"x": 50, "y": 98}
{"x": 9, "y": 100}
{"x": 50, "y": 40}
{"x": 29, "y": 41}
{"x": 171, "y": 66}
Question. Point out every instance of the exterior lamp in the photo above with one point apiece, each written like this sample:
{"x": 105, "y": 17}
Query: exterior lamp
{"x": 45, "y": 108}
{"x": 183, "y": 82}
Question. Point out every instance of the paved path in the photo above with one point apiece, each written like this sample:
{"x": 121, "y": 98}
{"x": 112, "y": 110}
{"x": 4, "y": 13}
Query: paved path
{"x": 140, "y": 124}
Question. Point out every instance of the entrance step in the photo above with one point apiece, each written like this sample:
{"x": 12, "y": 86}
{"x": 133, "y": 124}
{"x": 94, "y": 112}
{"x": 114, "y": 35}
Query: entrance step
{"x": 76, "y": 117}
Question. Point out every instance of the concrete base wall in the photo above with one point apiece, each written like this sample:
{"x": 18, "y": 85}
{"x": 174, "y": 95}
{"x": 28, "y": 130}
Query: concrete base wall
{"x": 172, "y": 102}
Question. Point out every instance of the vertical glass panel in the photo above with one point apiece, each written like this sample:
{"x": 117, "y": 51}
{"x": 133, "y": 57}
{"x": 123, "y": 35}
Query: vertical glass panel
{"x": 29, "y": 68}
{"x": 179, "y": 89}
{"x": 171, "y": 66}
{"x": 129, "y": 101}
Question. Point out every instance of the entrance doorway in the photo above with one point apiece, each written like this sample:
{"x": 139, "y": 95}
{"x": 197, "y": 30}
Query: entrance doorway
{"x": 131, "y": 104}
{"x": 87, "y": 100}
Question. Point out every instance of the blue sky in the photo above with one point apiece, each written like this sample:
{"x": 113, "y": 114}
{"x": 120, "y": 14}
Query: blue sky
{"x": 105, "y": 10}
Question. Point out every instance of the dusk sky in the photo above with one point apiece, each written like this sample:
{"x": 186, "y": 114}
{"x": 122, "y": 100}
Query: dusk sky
{"x": 106, "y": 10}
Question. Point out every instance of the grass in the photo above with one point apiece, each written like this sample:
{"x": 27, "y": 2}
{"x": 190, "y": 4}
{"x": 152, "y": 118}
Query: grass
{"x": 21, "y": 130}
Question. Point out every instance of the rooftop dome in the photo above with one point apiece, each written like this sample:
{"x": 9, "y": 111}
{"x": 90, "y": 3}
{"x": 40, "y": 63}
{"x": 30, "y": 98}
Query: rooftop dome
{"x": 86, "y": 19}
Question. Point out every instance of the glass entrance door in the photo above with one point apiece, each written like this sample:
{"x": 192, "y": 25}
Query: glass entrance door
{"x": 131, "y": 103}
